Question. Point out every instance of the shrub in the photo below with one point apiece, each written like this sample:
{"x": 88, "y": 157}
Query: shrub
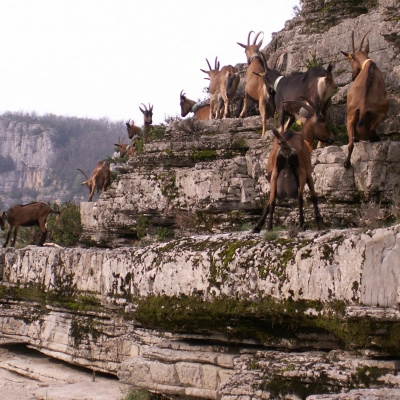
{"x": 65, "y": 229}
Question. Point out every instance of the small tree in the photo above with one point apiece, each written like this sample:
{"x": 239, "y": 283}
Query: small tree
{"x": 66, "y": 229}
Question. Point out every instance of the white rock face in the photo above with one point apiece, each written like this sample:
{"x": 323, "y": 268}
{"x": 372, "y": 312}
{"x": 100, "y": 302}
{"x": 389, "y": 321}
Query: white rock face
{"x": 351, "y": 266}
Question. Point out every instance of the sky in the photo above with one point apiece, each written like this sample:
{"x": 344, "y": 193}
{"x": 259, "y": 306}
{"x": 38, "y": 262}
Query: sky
{"x": 103, "y": 58}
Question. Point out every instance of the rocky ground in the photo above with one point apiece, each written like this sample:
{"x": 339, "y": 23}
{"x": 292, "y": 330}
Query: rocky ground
{"x": 26, "y": 374}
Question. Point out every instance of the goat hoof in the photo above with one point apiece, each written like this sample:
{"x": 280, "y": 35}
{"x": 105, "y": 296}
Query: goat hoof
{"x": 256, "y": 229}
{"x": 347, "y": 164}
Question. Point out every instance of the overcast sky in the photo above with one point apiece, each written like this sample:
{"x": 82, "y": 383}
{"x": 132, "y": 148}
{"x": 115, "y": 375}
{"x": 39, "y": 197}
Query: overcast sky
{"x": 102, "y": 58}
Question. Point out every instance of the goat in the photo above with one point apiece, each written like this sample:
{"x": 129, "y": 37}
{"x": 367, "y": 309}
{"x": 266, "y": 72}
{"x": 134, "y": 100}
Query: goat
{"x": 99, "y": 180}
{"x": 315, "y": 84}
{"x": 133, "y": 130}
{"x": 147, "y": 120}
{"x": 367, "y": 105}
{"x": 201, "y": 111}
{"x": 255, "y": 87}
{"x": 125, "y": 148}
{"x": 222, "y": 88}
{"x": 32, "y": 214}
{"x": 289, "y": 169}
{"x": 315, "y": 126}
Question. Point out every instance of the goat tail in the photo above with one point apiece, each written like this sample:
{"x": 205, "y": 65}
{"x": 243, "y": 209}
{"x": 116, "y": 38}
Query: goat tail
{"x": 83, "y": 173}
{"x": 364, "y": 124}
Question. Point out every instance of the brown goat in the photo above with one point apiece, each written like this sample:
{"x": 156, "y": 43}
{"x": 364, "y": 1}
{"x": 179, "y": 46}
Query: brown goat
{"x": 147, "y": 120}
{"x": 133, "y": 130}
{"x": 201, "y": 111}
{"x": 222, "y": 88}
{"x": 315, "y": 126}
{"x": 33, "y": 214}
{"x": 125, "y": 148}
{"x": 255, "y": 87}
{"x": 99, "y": 180}
{"x": 367, "y": 105}
{"x": 289, "y": 169}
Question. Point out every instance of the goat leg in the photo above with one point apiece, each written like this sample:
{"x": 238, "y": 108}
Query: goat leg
{"x": 301, "y": 212}
{"x": 261, "y": 221}
{"x": 317, "y": 215}
{"x": 14, "y": 237}
{"x": 244, "y": 109}
{"x": 8, "y": 237}
{"x": 271, "y": 214}
{"x": 42, "y": 238}
{"x": 314, "y": 200}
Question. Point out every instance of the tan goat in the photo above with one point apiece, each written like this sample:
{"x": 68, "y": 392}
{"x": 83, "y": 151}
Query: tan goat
{"x": 367, "y": 105}
{"x": 255, "y": 87}
{"x": 99, "y": 180}
{"x": 201, "y": 110}
{"x": 223, "y": 86}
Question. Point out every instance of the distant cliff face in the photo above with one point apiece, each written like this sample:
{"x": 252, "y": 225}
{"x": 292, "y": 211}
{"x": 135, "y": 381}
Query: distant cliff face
{"x": 39, "y": 156}
{"x": 27, "y": 153}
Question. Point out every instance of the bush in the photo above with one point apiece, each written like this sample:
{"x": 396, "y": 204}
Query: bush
{"x": 65, "y": 229}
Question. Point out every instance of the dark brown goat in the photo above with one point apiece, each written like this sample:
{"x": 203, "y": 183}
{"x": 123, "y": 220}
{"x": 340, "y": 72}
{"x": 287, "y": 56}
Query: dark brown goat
{"x": 367, "y": 105}
{"x": 315, "y": 84}
{"x": 289, "y": 169}
{"x": 201, "y": 111}
{"x": 99, "y": 180}
{"x": 33, "y": 214}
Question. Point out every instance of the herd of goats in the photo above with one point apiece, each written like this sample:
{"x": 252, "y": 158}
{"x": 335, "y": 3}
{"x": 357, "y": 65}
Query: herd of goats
{"x": 301, "y": 95}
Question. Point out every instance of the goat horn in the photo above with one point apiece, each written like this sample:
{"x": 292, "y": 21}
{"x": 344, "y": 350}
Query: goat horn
{"x": 362, "y": 40}
{"x": 248, "y": 38}
{"x": 83, "y": 173}
{"x": 277, "y": 58}
{"x": 258, "y": 34}
{"x": 277, "y": 134}
{"x": 209, "y": 66}
{"x": 352, "y": 42}
{"x": 182, "y": 94}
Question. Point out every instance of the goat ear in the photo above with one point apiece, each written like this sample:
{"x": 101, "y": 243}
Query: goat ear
{"x": 366, "y": 50}
{"x": 348, "y": 55}
{"x": 206, "y": 72}
{"x": 241, "y": 44}
{"x": 259, "y": 73}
